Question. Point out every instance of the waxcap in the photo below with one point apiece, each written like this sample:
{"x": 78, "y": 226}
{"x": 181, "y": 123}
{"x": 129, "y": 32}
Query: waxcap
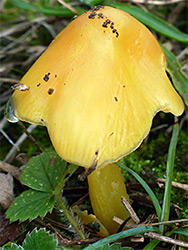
{"x": 97, "y": 87}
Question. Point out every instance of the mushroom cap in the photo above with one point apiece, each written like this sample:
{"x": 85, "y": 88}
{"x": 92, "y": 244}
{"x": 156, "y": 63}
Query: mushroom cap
{"x": 97, "y": 87}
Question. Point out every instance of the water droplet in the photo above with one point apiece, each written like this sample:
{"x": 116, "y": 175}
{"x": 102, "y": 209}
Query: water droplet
{"x": 9, "y": 111}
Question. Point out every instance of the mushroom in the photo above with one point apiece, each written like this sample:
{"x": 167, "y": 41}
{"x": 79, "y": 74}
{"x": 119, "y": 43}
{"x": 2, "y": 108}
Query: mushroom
{"x": 97, "y": 88}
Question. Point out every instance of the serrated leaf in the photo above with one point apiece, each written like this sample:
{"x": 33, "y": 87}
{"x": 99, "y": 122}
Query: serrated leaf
{"x": 43, "y": 172}
{"x": 13, "y": 246}
{"x": 29, "y": 205}
{"x": 39, "y": 240}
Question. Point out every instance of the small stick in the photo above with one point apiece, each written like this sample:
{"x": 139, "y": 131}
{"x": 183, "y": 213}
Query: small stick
{"x": 30, "y": 136}
{"x": 156, "y": 236}
{"x": 130, "y": 210}
{"x": 87, "y": 172}
{"x": 157, "y": 223}
{"x": 22, "y": 138}
{"x": 10, "y": 80}
{"x": 68, "y": 6}
{"x": 175, "y": 184}
{"x": 155, "y": 2}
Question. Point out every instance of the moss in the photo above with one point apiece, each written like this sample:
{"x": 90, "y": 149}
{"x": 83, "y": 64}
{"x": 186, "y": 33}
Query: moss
{"x": 150, "y": 159}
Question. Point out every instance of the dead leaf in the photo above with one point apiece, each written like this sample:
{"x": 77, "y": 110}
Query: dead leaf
{"x": 6, "y": 190}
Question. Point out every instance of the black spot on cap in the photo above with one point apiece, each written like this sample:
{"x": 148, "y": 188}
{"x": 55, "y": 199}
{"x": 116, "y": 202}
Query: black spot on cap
{"x": 50, "y": 91}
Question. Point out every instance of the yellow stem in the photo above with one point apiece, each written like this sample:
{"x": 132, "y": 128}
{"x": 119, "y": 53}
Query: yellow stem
{"x": 106, "y": 187}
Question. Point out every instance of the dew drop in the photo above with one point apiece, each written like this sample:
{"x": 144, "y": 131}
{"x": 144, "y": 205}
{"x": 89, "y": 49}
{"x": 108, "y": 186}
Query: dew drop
{"x": 9, "y": 111}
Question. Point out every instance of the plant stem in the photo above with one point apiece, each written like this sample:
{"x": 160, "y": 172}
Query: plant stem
{"x": 69, "y": 216}
{"x": 169, "y": 174}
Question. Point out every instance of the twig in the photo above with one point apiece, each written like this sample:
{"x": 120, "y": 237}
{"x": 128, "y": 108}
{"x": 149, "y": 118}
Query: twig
{"x": 130, "y": 225}
{"x": 30, "y": 136}
{"x": 14, "y": 171}
{"x": 66, "y": 242}
{"x": 130, "y": 210}
{"x": 4, "y": 79}
{"x": 14, "y": 149}
{"x": 159, "y": 127}
{"x": 2, "y": 124}
{"x": 68, "y": 6}
{"x": 156, "y": 2}
{"x": 88, "y": 171}
{"x": 175, "y": 184}
{"x": 156, "y": 236}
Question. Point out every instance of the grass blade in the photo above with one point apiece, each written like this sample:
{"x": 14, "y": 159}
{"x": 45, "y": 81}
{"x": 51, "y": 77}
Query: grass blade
{"x": 179, "y": 80}
{"x": 151, "y": 20}
{"x": 146, "y": 187}
{"x": 152, "y": 245}
{"x": 169, "y": 173}
{"x": 182, "y": 231}
{"x": 60, "y": 11}
{"x": 126, "y": 233}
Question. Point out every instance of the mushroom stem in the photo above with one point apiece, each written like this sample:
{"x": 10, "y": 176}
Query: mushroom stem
{"x": 106, "y": 187}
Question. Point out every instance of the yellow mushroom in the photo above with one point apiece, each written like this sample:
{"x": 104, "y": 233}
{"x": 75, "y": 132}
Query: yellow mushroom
{"x": 97, "y": 88}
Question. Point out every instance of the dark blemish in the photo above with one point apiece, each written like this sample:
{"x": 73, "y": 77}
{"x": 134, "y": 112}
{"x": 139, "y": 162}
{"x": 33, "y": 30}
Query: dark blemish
{"x": 64, "y": 83}
{"x": 111, "y": 134}
{"x": 38, "y": 84}
{"x": 123, "y": 86}
{"x": 114, "y": 30}
{"x": 108, "y": 21}
{"x": 97, "y": 152}
{"x": 104, "y": 25}
{"x": 46, "y": 77}
{"x": 52, "y": 162}
{"x": 98, "y": 7}
{"x": 117, "y": 34}
{"x": 92, "y": 15}
{"x": 115, "y": 98}
{"x": 55, "y": 76}
{"x": 112, "y": 26}
{"x": 41, "y": 120}
{"x": 50, "y": 91}
{"x": 100, "y": 15}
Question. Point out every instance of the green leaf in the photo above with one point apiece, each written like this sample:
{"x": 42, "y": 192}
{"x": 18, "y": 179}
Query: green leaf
{"x": 126, "y": 233}
{"x": 169, "y": 174}
{"x": 152, "y": 245}
{"x": 13, "y": 246}
{"x": 29, "y": 205}
{"x": 47, "y": 10}
{"x": 151, "y": 20}
{"x": 146, "y": 187}
{"x": 182, "y": 231}
{"x": 92, "y": 2}
{"x": 179, "y": 80}
{"x": 43, "y": 172}
{"x": 39, "y": 240}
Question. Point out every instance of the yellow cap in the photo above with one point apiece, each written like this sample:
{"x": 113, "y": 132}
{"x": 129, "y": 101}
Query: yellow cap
{"x": 97, "y": 87}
